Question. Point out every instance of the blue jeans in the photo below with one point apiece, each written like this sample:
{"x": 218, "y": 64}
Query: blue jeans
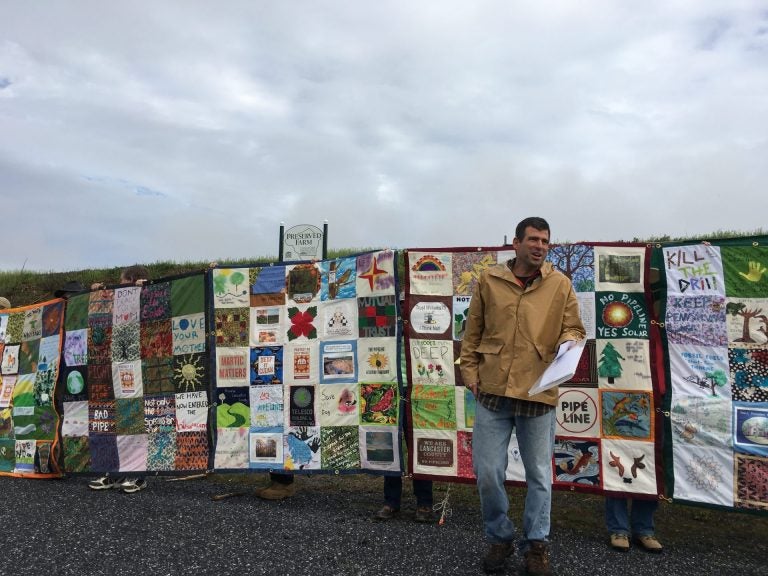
{"x": 490, "y": 439}
{"x": 393, "y": 492}
{"x": 640, "y": 520}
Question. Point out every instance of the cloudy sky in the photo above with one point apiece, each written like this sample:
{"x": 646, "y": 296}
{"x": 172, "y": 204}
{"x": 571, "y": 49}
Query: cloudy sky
{"x": 188, "y": 130}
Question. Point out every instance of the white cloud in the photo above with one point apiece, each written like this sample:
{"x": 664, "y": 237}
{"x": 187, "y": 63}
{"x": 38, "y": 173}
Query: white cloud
{"x": 184, "y": 130}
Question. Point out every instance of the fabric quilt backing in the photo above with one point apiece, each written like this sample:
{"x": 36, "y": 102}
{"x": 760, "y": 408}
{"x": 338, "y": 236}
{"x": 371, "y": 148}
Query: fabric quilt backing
{"x": 306, "y": 365}
{"x": 717, "y": 336}
{"x": 135, "y": 378}
{"x": 607, "y": 437}
{"x": 30, "y": 347}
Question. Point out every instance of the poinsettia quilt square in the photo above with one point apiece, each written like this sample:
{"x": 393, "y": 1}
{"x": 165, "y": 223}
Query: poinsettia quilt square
{"x": 302, "y": 323}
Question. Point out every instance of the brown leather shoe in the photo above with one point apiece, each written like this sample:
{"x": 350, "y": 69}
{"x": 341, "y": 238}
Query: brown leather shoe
{"x": 276, "y": 491}
{"x": 536, "y": 560}
{"x": 620, "y": 542}
{"x": 424, "y": 515}
{"x": 496, "y": 557}
{"x": 384, "y": 513}
{"x": 649, "y": 544}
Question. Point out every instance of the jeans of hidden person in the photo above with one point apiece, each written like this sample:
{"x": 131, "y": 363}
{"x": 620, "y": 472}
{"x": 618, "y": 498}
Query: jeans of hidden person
{"x": 618, "y": 520}
{"x": 490, "y": 441}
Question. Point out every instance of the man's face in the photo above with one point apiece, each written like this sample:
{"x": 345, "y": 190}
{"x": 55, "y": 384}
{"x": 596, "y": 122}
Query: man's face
{"x": 531, "y": 250}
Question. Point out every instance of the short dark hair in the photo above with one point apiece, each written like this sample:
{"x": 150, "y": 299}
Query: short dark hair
{"x": 134, "y": 273}
{"x": 533, "y": 222}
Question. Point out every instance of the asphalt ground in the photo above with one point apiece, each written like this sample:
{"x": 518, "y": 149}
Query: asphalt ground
{"x": 60, "y": 527}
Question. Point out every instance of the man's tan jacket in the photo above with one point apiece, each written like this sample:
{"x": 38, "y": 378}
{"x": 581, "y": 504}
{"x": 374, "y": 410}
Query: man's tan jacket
{"x": 513, "y": 333}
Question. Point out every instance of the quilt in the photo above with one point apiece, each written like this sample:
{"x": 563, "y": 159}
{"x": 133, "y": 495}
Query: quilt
{"x": 30, "y": 345}
{"x": 716, "y": 323}
{"x": 306, "y": 369}
{"x": 607, "y": 436}
{"x": 134, "y": 380}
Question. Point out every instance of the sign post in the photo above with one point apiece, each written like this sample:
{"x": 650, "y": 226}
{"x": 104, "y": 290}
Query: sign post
{"x": 303, "y": 242}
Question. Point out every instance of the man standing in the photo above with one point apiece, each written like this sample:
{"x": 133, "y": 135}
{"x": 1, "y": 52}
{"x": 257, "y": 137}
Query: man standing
{"x": 519, "y": 315}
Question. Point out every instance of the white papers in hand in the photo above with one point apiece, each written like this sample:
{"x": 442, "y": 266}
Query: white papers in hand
{"x": 563, "y": 367}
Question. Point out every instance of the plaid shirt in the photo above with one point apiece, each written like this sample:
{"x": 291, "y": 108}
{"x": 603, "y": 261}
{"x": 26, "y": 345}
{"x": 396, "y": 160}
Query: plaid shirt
{"x": 514, "y": 406}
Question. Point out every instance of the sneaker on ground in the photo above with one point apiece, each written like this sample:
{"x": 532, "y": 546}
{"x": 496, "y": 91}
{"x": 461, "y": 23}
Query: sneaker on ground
{"x": 131, "y": 485}
{"x": 105, "y": 483}
{"x": 276, "y": 491}
{"x": 536, "y": 560}
{"x": 496, "y": 557}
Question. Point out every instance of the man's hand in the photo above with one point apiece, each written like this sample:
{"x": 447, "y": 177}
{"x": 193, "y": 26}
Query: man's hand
{"x": 472, "y": 387}
{"x": 756, "y": 271}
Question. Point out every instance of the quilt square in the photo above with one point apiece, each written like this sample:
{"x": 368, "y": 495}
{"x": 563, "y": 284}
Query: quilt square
{"x": 339, "y": 361}
{"x": 156, "y": 339}
{"x": 132, "y": 453}
{"x": 267, "y": 410}
{"x": 76, "y": 347}
{"x": 53, "y": 317}
{"x": 129, "y": 416}
{"x": 302, "y": 448}
{"x": 303, "y": 282}
{"x": 191, "y": 412}
{"x": 375, "y": 273}
{"x": 100, "y": 382}
{"x": 267, "y": 365}
{"x": 100, "y": 339}
{"x": 338, "y": 279}
{"x": 340, "y": 447}
{"x": 302, "y": 323}
{"x": 104, "y": 454}
{"x": 157, "y": 375}
{"x": 377, "y": 316}
{"x": 379, "y": 448}
{"x": 232, "y": 327}
{"x": 267, "y": 326}
{"x": 231, "y": 448}
{"x": 14, "y": 328}
{"x": 745, "y": 269}
{"x": 160, "y": 414}
{"x": 268, "y": 280}
{"x": 466, "y": 269}
{"x": 433, "y": 407}
{"x": 101, "y": 418}
{"x": 188, "y": 334}
{"x": 431, "y": 319}
{"x": 430, "y": 274}
{"x": 379, "y": 403}
{"x": 127, "y": 379}
{"x": 100, "y": 303}
{"x": 77, "y": 454}
{"x": 76, "y": 317}
{"x": 190, "y": 372}
{"x": 191, "y": 451}
{"x": 126, "y": 305}
{"x": 577, "y": 462}
{"x": 28, "y": 355}
{"x": 233, "y": 409}
{"x": 126, "y": 346}
{"x": 161, "y": 451}
{"x": 230, "y": 288}
{"x": 188, "y": 296}
{"x": 577, "y": 262}
{"x": 156, "y": 302}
